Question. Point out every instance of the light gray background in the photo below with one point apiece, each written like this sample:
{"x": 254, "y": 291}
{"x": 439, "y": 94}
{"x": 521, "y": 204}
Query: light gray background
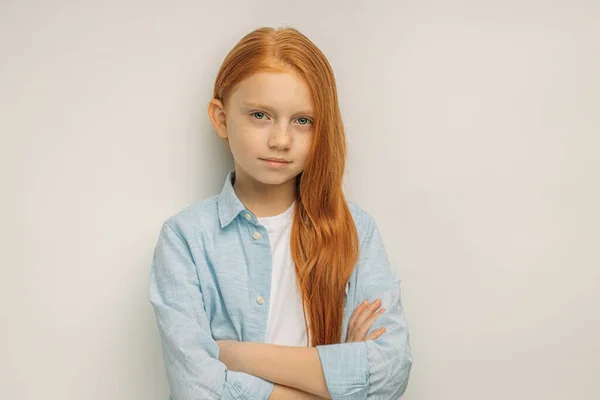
{"x": 473, "y": 131}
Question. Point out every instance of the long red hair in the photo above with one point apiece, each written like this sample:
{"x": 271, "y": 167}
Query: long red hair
{"x": 324, "y": 240}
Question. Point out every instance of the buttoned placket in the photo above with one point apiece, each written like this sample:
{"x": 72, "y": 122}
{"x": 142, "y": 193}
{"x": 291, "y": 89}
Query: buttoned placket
{"x": 261, "y": 273}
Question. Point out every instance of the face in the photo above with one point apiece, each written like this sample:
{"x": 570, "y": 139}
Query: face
{"x": 268, "y": 116}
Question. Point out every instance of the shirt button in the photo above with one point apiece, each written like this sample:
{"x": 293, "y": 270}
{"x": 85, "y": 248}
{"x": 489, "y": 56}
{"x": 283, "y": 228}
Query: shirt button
{"x": 248, "y": 217}
{"x": 256, "y": 235}
{"x": 260, "y": 300}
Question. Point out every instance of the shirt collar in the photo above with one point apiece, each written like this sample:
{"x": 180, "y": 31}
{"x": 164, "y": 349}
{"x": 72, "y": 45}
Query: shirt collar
{"x": 228, "y": 203}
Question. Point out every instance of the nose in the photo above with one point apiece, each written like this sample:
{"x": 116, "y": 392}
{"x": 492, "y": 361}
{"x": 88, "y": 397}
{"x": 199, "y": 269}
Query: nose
{"x": 280, "y": 137}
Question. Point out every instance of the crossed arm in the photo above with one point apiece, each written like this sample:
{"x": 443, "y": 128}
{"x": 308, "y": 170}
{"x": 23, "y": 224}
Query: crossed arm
{"x": 296, "y": 371}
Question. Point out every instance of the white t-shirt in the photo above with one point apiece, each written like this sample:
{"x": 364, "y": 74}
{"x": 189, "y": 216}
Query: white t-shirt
{"x": 285, "y": 325}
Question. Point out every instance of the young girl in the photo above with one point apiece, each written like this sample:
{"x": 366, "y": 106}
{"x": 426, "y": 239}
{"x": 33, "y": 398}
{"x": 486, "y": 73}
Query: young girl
{"x": 278, "y": 287}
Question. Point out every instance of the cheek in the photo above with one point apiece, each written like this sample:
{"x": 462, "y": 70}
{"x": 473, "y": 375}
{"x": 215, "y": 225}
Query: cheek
{"x": 243, "y": 140}
{"x": 306, "y": 142}
{"x": 304, "y": 145}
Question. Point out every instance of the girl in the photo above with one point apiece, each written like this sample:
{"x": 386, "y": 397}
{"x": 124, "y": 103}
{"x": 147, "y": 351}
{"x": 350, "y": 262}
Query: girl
{"x": 272, "y": 289}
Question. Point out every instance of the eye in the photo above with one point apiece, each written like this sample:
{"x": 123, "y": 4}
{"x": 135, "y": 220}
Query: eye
{"x": 304, "y": 121}
{"x": 258, "y": 115}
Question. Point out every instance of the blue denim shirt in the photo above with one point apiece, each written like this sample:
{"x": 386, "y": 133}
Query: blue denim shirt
{"x": 210, "y": 280}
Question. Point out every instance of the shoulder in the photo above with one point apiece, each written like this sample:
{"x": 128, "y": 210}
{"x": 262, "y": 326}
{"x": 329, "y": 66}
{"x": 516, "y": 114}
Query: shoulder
{"x": 358, "y": 212}
{"x": 364, "y": 221}
{"x": 373, "y": 267}
{"x": 195, "y": 218}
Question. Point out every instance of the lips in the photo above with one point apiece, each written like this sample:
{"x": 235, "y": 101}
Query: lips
{"x": 281, "y": 160}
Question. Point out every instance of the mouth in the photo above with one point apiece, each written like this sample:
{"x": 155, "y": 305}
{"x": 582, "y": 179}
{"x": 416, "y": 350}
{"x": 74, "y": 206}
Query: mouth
{"x": 275, "y": 162}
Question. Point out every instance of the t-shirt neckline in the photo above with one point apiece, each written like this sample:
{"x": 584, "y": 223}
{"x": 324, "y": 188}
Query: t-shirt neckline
{"x": 278, "y": 221}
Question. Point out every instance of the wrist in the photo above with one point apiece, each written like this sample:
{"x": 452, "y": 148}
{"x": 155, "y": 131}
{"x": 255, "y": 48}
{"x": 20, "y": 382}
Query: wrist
{"x": 229, "y": 354}
{"x": 243, "y": 356}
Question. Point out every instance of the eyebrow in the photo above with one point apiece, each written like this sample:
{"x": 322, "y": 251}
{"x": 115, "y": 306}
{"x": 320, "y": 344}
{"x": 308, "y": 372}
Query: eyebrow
{"x": 263, "y": 107}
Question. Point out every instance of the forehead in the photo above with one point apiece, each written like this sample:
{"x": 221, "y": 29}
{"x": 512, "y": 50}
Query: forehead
{"x": 279, "y": 90}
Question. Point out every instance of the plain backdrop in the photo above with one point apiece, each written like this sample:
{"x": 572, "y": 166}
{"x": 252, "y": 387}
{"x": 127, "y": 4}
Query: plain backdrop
{"x": 474, "y": 142}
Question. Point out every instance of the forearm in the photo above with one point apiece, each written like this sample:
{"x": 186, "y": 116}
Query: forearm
{"x": 281, "y": 392}
{"x": 296, "y": 367}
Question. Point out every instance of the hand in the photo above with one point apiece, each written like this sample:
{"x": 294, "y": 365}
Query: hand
{"x": 361, "y": 320}
{"x": 228, "y": 349}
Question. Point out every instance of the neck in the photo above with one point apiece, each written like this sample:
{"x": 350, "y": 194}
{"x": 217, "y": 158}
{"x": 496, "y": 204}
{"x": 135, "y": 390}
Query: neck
{"x": 262, "y": 199}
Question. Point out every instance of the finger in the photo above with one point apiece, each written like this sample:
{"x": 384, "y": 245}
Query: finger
{"x": 369, "y": 322}
{"x": 366, "y": 326}
{"x": 375, "y": 334}
{"x": 367, "y": 312}
{"x": 357, "y": 312}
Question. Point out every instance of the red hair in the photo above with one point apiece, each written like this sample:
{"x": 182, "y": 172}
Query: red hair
{"x": 324, "y": 240}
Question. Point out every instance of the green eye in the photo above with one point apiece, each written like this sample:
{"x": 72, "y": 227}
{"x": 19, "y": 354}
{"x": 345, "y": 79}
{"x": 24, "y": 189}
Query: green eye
{"x": 304, "y": 121}
{"x": 258, "y": 115}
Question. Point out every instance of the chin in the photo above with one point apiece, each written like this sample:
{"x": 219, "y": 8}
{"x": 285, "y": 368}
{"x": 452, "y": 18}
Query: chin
{"x": 273, "y": 177}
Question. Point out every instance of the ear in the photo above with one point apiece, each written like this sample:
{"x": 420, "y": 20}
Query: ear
{"x": 216, "y": 113}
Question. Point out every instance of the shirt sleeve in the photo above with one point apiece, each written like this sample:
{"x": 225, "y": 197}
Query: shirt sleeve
{"x": 191, "y": 355}
{"x": 376, "y": 369}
